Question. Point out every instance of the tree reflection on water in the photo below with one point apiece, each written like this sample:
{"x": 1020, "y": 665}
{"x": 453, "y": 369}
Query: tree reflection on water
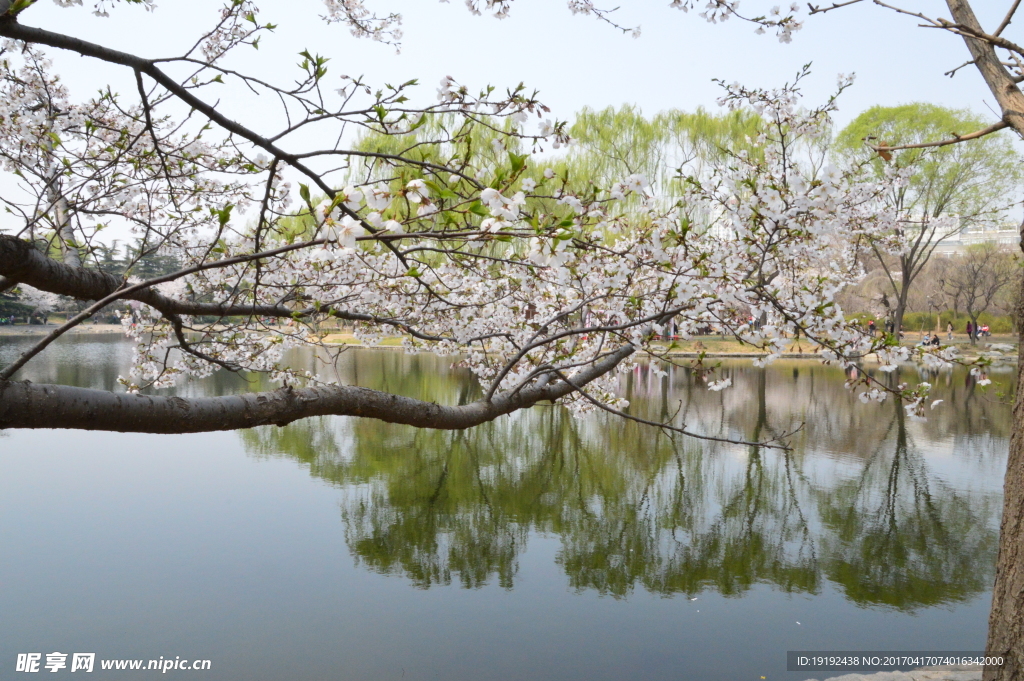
{"x": 892, "y": 513}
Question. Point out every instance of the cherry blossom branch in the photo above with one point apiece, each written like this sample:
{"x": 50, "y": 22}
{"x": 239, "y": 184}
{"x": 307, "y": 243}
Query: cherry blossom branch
{"x": 30, "y": 405}
{"x": 10, "y": 28}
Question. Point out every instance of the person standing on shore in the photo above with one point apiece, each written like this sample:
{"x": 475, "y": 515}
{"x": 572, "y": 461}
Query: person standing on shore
{"x": 949, "y": 330}
{"x": 970, "y": 330}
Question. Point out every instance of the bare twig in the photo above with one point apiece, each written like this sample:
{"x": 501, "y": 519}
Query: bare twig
{"x": 682, "y": 431}
{"x": 952, "y": 72}
{"x": 1008, "y": 19}
{"x": 818, "y": 9}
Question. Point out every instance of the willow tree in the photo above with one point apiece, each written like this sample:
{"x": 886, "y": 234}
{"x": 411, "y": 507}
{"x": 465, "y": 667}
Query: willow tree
{"x": 611, "y": 144}
{"x": 948, "y": 189}
{"x": 607, "y": 147}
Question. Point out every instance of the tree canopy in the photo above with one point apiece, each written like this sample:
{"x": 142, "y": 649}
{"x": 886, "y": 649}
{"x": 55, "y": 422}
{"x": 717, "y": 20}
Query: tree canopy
{"x": 946, "y": 189}
{"x": 440, "y": 224}
{"x": 976, "y": 182}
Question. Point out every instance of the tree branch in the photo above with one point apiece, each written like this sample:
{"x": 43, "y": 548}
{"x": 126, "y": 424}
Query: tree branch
{"x": 1008, "y": 19}
{"x": 21, "y": 262}
{"x": 27, "y": 405}
{"x": 1000, "y": 82}
{"x": 771, "y": 444}
{"x": 952, "y": 72}
{"x": 10, "y": 28}
{"x": 955, "y": 139}
{"x": 817, "y": 9}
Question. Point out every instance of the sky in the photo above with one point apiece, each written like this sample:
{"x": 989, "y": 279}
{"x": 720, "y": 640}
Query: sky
{"x": 574, "y": 61}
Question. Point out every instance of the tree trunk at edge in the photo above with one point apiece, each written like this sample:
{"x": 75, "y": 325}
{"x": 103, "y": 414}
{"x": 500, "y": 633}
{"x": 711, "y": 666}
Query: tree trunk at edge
{"x": 1006, "y": 619}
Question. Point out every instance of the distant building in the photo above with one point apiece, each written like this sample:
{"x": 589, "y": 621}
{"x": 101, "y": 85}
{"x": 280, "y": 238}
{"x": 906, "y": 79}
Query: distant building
{"x": 1005, "y": 235}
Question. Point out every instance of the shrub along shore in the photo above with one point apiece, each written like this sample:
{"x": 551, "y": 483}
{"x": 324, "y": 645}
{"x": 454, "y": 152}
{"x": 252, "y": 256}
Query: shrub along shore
{"x": 712, "y": 346}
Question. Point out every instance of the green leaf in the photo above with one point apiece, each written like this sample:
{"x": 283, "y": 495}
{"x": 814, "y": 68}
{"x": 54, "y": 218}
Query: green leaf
{"x": 224, "y": 214}
{"x": 518, "y": 161}
{"x": 19, "y": 5}
{"x": 439, "y": 190}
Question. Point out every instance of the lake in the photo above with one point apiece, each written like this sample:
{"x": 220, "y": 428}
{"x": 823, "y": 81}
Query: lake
{"x": 536, "y": 547}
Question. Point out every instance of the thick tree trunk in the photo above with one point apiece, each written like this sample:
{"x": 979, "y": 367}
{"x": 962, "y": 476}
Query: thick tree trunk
{"x": 1006, "y": 619}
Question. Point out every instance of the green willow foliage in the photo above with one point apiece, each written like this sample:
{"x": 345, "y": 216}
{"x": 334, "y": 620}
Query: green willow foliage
{"x": 478, "y": 149}
{"x": 614, "y": 143}
{"x": 608, "y": 146}
{"x": 976, "y": 181}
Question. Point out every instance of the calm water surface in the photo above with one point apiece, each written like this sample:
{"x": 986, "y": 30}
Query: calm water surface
{"x": 537, "y": 547}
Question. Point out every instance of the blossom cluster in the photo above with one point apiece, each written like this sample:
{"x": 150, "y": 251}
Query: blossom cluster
{"x": 88, "y": 164}
{"x": 440, "y": 229}
{"x": 528, "y": 282}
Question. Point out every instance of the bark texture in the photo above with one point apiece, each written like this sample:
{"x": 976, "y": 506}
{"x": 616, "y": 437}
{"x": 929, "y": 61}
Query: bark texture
{"x": 22, "y": 263}
{"x": 1006, "y": 619}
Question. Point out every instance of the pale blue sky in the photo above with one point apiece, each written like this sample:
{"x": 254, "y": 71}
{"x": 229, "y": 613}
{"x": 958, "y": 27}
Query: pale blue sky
{"x": 574, "y": 61}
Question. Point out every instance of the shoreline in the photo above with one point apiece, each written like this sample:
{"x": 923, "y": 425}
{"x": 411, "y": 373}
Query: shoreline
{"x": 338, "y": 340}
{"x": 42, "y": 330}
